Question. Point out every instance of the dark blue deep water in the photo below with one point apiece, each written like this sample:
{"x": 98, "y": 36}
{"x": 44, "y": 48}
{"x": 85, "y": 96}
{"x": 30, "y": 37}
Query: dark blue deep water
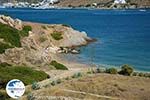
{"x": 123, "y": 35}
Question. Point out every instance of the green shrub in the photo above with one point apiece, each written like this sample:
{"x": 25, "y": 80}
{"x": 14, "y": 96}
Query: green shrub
{"x": 53, "y": 83}
{"x": 24, "y": 34}
{"x": 4, "y": 64}
{"x": 27, "y": 28}
{"x": 126, "y": 70}
{"x": 3, "y": 47}
{"x": 77, "y": 75}
{"x": 57, "y": 35}
{"x": 30, "y": 97}
{"x": 91, "y": 71}
{"x": 135, "y": 74}
{"x": 58, "y": 65}
{"x": 141, "y": 74}
{"x": 26, "y": 74}
{"x": 9, "y": 35}
{"x": 111, "y": 71}
{"x": 35, "y": 86}
{"x": 58, "y": 81}
{"x": 25, "y": 31}
{"x": 147, "y": 75}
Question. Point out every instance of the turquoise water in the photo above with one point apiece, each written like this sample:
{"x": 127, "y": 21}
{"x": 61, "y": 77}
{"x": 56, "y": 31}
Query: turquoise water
{"x": 123, "y": 35}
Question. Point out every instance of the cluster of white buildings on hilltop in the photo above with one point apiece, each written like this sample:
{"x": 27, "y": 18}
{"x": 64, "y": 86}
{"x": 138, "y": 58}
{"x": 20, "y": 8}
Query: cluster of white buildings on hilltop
{"x": 119, "y": 2}
{"x": 42, "y": 5}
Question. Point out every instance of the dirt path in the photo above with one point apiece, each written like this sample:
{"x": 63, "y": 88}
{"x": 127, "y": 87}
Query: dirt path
{"x": 60, "y": 74}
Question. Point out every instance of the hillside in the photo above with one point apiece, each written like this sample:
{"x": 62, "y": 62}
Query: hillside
{"x": 33, "y": 43}
{"x": 88, "y": 3}
{"x": 30, "y": 1}
{"x": 101, "y": 3}
{"x": 96, "y": 87}
{"x": 27, "y": 50}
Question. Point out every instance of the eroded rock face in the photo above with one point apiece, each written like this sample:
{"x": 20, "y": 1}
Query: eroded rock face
{"x": 16, "y": 23}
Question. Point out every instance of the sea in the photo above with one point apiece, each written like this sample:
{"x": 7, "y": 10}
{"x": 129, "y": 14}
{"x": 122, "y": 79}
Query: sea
{"x": 123, "y": 36}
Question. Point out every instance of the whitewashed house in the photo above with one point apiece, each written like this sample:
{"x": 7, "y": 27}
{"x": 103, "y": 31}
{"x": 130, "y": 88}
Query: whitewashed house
{"x": 119, "y": 2}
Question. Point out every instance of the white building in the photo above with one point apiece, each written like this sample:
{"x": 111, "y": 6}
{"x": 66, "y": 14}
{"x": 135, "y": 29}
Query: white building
{"x": 46, "y": 4}
{"x": 49, "y": 1}
{"x": 119, "y": 2}
{"x": 8, "y": 5}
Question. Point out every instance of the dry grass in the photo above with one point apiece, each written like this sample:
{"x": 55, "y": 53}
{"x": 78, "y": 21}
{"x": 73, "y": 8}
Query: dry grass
{"x": 113, "y": 86}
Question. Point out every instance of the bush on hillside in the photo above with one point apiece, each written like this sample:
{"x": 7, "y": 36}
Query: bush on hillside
{"x": 53, "y": 83}
{"x": 58, "y": 65}
{"x": 30, "y": 97}
{"x": 4, "y": 64}
{"x": 58, "y": 81}
{"x": 126, "y": 70}
{"x": 35, "y": 86}
{"x": 26, "y": 74}
{"x": 3, "y": 47}
{"x": 77, "y": 75}
{"x": 27, "y": 28}
{"x": 57, "y": 35}
{"x": 141, "y": 74}
{"x": 135, "y": 74}
{"x": 9, "y": 35}
{"x": 25, "y": 31}
{"x": 111, "y": 70}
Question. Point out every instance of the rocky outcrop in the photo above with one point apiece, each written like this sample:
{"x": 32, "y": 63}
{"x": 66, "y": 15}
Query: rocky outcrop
{"x": 71, "y": 37}
{"x": 68, "y": 50}
{"x": 36, "y": 49}
{"x": 16, "y": 23}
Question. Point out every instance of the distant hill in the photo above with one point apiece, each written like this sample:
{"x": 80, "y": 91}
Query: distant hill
{"x": 78, "y": 3}
{"x": 30, "y": 1}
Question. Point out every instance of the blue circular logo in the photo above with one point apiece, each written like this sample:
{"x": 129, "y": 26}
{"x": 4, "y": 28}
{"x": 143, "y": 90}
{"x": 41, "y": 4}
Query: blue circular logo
{"x": 15, "y": 88}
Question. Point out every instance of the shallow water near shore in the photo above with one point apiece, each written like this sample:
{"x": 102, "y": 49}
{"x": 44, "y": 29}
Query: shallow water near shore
{"x": 123, "y": 35}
